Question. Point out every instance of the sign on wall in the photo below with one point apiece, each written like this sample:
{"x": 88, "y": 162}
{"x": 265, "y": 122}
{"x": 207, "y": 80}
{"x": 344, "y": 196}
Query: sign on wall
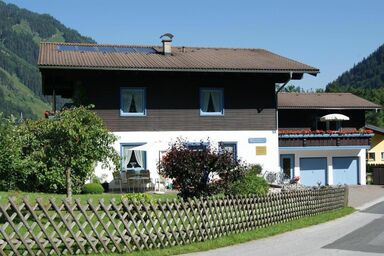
{"x": 257, "y": 140}
{"x": 261, "y": 150}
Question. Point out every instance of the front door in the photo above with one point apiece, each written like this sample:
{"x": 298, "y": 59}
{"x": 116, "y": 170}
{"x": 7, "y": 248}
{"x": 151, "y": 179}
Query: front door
{"x": 287, "y": 163}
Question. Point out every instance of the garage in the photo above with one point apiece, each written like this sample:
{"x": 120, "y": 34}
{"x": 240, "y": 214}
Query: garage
{"x": 313, "y": 171}
{"x": 345, "y": 170}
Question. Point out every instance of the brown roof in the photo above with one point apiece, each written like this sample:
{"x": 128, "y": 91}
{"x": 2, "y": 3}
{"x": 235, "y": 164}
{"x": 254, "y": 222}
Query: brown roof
{"x": 182, "y": 59}
{"x": 323, "y": 101}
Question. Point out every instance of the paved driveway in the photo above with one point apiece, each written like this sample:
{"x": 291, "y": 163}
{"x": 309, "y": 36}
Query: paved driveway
{"x": 361, "y": 233}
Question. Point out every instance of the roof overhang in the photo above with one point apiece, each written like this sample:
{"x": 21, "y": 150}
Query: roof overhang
{"x": 296, "y": 74}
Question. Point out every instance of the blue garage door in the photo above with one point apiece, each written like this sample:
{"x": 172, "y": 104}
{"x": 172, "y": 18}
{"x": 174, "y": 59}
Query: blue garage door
{"x": 345, "y": 170}
{"x": 313, "y": 171}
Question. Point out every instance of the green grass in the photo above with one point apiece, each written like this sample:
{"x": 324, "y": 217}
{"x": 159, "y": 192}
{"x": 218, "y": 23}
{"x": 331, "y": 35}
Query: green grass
{"x": 83, "y": 198}
{"x": 248, "y": 236}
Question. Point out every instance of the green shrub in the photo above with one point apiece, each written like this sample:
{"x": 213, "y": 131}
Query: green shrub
{"x": 254, "y": 169}
{"x": 251, "y": 183}
{"x": 137, "y": 197}
{"x": 93, "y": 188}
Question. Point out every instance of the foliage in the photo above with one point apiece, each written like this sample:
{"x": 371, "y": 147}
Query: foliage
{"x": 137, "y": 197}
{"x": 292, "y": 88}
{"x": 365, "y": 79}
{"x": 11, "y": 163}
{"x": 21, "y": 31}
{"x": 92, "y": 188}
{"x": 75, "y": 139}
{"x": 31, "y": 197}
{"x": 250, "y": 183}
{"x": 191, "y": 169}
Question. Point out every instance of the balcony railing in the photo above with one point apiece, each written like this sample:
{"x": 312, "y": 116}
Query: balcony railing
{"x": 313, "y": 138}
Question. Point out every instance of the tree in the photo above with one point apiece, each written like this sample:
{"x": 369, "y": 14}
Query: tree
{"x": 292, "y": 88}
{"x": 191, "y": 168}
{"x": 63, "y": 151}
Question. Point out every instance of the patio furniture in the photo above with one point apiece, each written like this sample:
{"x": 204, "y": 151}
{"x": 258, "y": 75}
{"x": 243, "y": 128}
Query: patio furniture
{"x": 137, "y": 181}
{"x": 118, "y": 181}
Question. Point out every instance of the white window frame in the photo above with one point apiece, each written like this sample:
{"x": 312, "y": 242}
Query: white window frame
{"x": 133, "y": 145}
{"x": 135, "y": 89}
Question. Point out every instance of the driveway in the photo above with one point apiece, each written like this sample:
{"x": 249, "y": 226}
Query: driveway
{"x": 361, "y": 233}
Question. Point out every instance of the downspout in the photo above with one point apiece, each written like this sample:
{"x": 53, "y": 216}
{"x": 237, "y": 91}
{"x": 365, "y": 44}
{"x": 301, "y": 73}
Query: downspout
{"x": 276, "y": 99}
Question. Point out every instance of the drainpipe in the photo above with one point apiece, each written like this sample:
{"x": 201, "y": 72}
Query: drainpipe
{"x": 276, "y": 99}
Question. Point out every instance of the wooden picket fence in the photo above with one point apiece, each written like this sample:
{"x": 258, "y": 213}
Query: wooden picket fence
{"x": 62, "y": 228}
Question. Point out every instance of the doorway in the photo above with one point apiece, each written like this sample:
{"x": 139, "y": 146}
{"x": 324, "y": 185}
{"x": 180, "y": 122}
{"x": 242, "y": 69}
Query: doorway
{"x": 287, "y": 163}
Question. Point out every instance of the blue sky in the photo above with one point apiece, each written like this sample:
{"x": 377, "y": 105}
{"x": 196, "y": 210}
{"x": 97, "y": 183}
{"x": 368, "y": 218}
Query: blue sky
{"x": 330, "y": 35}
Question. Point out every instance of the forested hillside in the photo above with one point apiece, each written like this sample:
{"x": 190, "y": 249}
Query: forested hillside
{"x": 21, "y": 31}
{"x": 365, "y": 79}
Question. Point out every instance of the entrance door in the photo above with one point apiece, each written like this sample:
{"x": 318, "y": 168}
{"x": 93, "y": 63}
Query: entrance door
{"x": 287, "y": 163}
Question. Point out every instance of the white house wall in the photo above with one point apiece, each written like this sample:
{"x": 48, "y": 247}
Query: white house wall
{"x": 160, "y": 141}
{"x": 329, "y": 154}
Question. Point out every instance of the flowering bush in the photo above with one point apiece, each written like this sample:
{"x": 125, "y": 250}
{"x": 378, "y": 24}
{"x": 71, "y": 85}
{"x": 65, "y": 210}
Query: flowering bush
{"x": 192, "y": 168}
{"x": 296, "y": 179}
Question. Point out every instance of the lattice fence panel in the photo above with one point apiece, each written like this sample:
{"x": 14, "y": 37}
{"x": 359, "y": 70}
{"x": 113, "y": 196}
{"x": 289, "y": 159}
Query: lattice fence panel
{"x": 69, "y": 228}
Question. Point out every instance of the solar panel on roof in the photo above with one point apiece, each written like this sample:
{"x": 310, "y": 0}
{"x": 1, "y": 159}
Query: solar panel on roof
{"x": 83, "y": 48}
{"x": 144, "y": 50}
{"x": 86, "y": 48}
{"x": 106, "y": 49}
{"x": 66, "y": 48}
{"x": 125, "y": 49}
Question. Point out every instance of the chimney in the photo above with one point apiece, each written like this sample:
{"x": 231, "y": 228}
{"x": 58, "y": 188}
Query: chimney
{"x": 167, "y": 43}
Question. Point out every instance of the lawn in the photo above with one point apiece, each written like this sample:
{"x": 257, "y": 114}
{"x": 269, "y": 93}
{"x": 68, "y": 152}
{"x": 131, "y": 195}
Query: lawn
{"x": 83, "y": 198}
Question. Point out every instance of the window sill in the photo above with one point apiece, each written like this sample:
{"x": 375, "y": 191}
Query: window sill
{"x": 212, "y": 114}
{"x": 133, "y": 115}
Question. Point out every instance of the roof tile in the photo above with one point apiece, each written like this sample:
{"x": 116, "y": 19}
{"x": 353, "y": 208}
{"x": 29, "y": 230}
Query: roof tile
{"x": 323, "y": 101}
{"x": 182, "y": 58}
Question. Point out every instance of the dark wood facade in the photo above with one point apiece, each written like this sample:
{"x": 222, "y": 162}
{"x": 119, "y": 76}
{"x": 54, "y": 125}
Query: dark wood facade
{"x": 173, "y": 98}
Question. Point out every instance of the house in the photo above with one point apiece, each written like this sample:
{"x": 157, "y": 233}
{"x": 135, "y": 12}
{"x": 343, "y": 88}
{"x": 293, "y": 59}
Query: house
{"x": 375, "y": 155}
{"x": 322, "y": 137}
{"x": 151, "y": 95}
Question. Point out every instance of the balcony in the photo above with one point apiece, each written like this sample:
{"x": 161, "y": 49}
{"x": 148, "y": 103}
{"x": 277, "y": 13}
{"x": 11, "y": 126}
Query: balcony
{"x": 329, "y": 138}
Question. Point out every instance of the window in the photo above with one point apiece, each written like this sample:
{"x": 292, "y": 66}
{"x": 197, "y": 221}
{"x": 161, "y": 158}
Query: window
{"x": 197, "y": 146}
{"x": 133, "y": 157}
{"x": 371, "y": 156}
{"x": 132, "y": 102}
{"x": 382, "y": 156}
{"x": 211, "y": 102}
{"x": 230, "y": 147}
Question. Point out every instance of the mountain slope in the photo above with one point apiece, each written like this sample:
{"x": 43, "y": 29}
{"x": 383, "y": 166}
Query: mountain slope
{"x": 365, "y": 79}
{"x": 369, "y": 73}
{"x": 21, "y": 31}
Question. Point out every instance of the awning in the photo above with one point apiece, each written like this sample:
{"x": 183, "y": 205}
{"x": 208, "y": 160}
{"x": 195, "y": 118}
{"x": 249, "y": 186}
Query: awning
{"x": 334, "y": 117}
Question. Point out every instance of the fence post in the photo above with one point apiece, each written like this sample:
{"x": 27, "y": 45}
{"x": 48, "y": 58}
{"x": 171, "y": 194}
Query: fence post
{"x": 346, "y": 196}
